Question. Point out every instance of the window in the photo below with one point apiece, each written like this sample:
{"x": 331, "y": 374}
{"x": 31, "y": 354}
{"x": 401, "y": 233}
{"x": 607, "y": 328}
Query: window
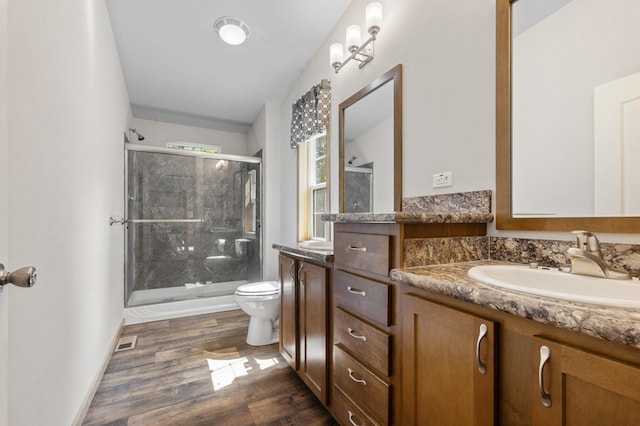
{"x": 312, "y": 188}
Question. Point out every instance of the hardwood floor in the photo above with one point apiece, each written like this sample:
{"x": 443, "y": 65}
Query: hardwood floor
{"x": 200, "y": 371}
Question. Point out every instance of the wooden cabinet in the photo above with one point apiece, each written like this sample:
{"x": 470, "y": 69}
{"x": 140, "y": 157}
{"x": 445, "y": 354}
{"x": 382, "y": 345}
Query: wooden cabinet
{"x": 313, "y": 328}
{"x": 288, "y": 343}
{"x": 577, "y": 387}
{"x": 587, "y": 381}
{"x": 304, "y": 321}
{"x": 448, "y": 365}
{"x": 363, "y": 373}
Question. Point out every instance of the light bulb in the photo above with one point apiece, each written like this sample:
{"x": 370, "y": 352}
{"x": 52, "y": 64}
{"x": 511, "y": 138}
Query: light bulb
{"x": 373, "y": 17}
{"x": 354, "y": 37}
{"x": 336, "y": 54}
{"x": 232, "y": 34}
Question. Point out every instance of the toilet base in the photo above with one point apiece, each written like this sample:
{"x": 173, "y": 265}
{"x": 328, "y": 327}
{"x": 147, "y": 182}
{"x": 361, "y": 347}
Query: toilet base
{"x": 261, "y": 332}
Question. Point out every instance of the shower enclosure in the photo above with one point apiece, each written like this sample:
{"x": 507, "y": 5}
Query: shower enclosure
{"x": 193, "y": 224}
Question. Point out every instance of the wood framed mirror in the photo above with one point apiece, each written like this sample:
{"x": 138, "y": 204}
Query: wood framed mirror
{"x": 370, "y": 147}
{"x": 510, "y": 118}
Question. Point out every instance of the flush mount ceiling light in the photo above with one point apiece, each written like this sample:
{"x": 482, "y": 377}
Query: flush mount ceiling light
{"x": 359, "y": 52}
{"x": 232, "y": 30}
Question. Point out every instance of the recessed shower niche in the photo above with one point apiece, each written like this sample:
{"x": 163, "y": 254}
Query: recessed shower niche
{"x": 193, "y": 227}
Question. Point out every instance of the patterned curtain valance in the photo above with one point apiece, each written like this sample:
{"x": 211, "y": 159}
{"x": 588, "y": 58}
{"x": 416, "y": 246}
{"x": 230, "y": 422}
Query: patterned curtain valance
{"x": 311, "y": 113}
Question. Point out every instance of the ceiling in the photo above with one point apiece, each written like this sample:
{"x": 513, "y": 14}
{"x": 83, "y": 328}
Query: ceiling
{"x": 178, "y": 70}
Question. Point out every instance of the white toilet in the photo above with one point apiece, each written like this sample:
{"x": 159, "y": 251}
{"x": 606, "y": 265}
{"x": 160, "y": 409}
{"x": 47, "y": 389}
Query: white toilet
{"x": 261, "y": 301}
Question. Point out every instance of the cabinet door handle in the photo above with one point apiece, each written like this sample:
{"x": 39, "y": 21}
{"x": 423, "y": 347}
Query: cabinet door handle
{"x": 482, "y": 367}
{"x": 291, "y": 270}
{"x": 356, "y": 336}
{"x": 300, "y": 276}
{"x": 356, "y": 291}
{"x": 357, "y": 248}
{"x": 351, "y": 419}
{"x": 545, "y": 354}
{"x": 352, "y": 377}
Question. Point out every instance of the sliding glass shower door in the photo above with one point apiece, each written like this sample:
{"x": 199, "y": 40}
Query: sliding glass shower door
{"x": 193, "y": 224}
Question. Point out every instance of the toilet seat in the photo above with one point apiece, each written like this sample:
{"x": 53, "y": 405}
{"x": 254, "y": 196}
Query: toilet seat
{"x": 267, "y": 288}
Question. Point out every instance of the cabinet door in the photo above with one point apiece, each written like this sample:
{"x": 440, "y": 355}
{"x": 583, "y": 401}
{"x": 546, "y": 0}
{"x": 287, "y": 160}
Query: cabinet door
{"x": 288, "y": 311}
{"x": 448, "y": 374}
{"x": 575, "y": 387}
{"x": 312, "y": 281}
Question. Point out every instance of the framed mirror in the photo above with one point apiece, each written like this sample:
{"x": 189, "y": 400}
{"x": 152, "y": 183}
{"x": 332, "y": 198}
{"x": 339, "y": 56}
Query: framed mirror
{"x": 370, "y": 133}
{"x": 563, "y": 161}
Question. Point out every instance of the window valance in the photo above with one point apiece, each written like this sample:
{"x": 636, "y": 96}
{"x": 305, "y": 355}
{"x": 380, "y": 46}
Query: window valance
{"x": 310, "y": 114}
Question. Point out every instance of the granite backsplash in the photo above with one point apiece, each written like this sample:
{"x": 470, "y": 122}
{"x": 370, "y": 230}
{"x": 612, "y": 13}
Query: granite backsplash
{"x": 434, "y": 251}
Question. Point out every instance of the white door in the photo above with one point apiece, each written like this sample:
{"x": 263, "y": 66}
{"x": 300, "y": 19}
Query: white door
{"x": 617, "y": 147}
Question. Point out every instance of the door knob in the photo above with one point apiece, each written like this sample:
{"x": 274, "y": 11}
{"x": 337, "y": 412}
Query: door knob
{"x": 23, "y": 277}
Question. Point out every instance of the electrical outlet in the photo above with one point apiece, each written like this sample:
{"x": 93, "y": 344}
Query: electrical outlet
{"x": 442, "y": 179}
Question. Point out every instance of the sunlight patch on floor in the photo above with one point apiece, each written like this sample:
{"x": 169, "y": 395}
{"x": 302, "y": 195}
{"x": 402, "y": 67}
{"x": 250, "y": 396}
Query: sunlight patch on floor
{"x": 225, "y": 371}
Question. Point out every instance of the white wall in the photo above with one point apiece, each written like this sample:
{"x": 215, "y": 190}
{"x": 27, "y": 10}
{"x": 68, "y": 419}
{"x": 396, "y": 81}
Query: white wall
{"x": 4, "y": 220}
{"x": 264, "y": 135}
{"x": 67, "y": 110}
{"x": 158, "y": 133}
{"x": 447, "y": 50}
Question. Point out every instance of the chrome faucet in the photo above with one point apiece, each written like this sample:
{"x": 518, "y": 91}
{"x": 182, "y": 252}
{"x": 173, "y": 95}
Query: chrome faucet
{"x": 587, "y": 258}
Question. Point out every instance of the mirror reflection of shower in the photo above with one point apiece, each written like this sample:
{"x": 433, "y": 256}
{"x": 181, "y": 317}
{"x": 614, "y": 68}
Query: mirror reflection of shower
{"x": 358, "y": 183}
{"x": 193, "y": 224}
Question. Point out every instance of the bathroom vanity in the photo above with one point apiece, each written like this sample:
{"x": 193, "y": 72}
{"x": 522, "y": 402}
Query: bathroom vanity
{"x": 545, "y": 361}
{"x": 403, "y": 336}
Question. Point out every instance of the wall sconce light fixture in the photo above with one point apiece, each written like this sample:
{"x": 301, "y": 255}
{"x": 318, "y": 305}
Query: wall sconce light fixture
{"x": 358, "y": 51}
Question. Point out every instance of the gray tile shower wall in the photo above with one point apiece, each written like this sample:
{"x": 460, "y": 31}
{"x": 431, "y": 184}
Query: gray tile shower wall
{"x": 207, "y": 192}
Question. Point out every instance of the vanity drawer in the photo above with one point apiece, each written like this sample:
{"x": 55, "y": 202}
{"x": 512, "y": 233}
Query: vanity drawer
{"x": 368, "y": 252}
{"x": 348, "y": 413}
{"x": 365, "y": 342}
{"x": 361, "y": 385}
{"x": 362, "y": 296}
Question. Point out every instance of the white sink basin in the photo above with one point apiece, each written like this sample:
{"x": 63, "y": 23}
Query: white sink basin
{"x": 560, "y": 285}
{"x": 317, "y": 245}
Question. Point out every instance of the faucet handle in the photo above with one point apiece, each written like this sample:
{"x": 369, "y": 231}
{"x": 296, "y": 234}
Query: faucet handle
{"x": 588, "y": 241}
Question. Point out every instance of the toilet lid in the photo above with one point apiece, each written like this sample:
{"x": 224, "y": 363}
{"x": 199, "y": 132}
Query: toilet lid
{"x": 266, "y": 288}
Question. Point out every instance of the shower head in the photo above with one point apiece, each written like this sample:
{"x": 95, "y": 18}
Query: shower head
{"x": 140, "y": 137}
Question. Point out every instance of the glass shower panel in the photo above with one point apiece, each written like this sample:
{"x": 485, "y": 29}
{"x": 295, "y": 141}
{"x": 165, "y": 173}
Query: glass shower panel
{"x": 192, "y": 225}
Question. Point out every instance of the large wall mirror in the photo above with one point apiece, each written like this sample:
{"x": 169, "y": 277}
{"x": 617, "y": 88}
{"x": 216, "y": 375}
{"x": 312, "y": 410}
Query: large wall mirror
{"x": 370, "y": 159}
{"x": 568, "y": 108}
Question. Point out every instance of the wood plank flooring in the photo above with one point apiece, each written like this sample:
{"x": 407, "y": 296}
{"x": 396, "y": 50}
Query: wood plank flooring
{"x": 200, "y": 371}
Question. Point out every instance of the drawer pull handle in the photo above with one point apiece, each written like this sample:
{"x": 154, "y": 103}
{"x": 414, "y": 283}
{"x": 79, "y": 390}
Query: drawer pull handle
{"x": 482, "y": 367}
{"x": 545, "y": 354}
{"x": 352, "y": 377}
{"x": 351, "y": 419}
{"x": 356, "y": 336}
{"x": 356, "y": 291}
{"x": 355, "y": 248}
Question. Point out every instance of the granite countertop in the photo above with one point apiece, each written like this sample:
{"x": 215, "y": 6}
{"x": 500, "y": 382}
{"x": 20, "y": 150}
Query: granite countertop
{"x": 323, "y": 256}
{"x": 410, "y": 217}
{"x": 614, "y": 324}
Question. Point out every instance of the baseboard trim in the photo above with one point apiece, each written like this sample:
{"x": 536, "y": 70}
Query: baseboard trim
{"x": 86, "y": 403}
